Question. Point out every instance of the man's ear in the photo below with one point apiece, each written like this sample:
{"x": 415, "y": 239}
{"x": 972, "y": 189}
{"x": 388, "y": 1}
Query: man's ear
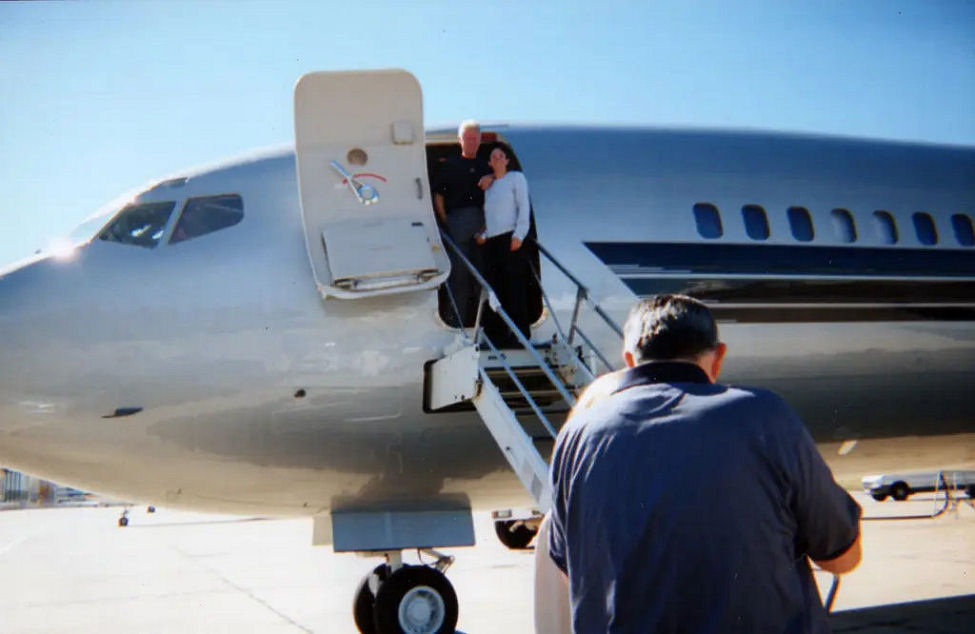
{"x": 628, "y": 359}
{"x": 717, "y": 358}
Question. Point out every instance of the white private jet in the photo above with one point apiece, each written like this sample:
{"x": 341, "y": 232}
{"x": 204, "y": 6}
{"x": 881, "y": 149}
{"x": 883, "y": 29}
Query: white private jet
{"x": 273, "y": 335}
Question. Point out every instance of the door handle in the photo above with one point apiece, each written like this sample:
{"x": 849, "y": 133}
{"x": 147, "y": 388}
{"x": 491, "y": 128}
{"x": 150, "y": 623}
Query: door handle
{"x": 365, "y": 194}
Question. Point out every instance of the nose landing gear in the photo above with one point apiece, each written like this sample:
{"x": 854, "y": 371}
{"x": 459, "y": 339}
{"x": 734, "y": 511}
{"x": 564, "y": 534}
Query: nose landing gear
{"x": 396, "y": 597}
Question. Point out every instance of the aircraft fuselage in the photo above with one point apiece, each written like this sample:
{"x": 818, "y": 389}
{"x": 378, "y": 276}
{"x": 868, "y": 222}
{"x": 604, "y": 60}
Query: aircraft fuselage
{"x": 210, "y": 373}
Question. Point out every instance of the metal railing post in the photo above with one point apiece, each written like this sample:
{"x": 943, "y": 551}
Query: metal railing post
{"x": 580, "y": 295}
{"x": 582, "y": 289}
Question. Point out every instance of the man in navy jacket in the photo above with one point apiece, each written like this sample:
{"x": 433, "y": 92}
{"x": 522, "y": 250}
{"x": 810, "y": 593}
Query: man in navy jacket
{"x": 683, "y": 505}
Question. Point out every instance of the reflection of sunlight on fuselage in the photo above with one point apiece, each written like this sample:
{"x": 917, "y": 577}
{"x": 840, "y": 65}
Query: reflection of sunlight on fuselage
{"x": 86, "y": 230}
{"x": 62, "y": 249}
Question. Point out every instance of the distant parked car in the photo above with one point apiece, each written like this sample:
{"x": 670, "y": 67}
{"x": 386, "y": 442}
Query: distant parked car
{"x": 901, "y": 485}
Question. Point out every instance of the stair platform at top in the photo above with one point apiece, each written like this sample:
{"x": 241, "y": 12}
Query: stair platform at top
{"x": 452, "y": 381}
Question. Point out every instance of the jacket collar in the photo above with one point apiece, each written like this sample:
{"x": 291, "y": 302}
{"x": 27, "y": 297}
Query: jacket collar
{"x": 662, "y": 372}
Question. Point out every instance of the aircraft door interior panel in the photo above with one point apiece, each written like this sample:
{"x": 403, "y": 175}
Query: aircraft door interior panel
{"x": 363, "y": 184}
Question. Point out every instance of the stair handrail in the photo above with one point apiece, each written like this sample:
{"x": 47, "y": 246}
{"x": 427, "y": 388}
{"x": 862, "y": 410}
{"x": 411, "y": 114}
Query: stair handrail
{"x": 460, "y": 319}
{"x": 521, "y": 388}
{"x": 582, "y": 292}
{"x": 504, "y": 363}
{"x": 575, "y": 329}
{"x": 582, "y": 295}
{"x": 494, "y": 301}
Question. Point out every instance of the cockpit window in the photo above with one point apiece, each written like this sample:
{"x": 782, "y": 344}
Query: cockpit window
{"x": 206, "y": 215}
{"x": 141, "y": 224}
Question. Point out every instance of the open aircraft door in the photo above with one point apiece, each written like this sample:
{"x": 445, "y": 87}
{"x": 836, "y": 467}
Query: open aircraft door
{"x": 362, "y": 179}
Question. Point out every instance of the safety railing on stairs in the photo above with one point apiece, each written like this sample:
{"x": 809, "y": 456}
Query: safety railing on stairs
{"x": 469, "y": 372}
{"x": 488, "y": 296}
{"x": 583, "y": 297}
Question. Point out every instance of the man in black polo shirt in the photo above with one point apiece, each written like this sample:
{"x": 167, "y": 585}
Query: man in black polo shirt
{"x": 683, "y": 505}
{"x": 459, "y": 202}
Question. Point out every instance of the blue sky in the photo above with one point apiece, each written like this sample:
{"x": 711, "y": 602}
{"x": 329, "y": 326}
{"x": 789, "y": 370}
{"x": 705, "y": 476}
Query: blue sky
{"x": 100, "y": 98}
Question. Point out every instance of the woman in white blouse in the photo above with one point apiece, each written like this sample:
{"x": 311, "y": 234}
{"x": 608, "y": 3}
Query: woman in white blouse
{"x": 506, "y": 221}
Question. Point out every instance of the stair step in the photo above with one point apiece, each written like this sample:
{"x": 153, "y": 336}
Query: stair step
{"x": 535, "y": 394}
{"x": 521, "y": 405}
{"x": 519, "y": 372}
{"x": 531, "y": 383}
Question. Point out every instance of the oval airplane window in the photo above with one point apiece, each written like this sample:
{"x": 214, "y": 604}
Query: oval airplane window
{"x": 924, "y": 228}
{"x": 756, "y": 222}
{"x": 886, "y": 228}
{"x": 964, "y": 233}
{"x": 843, "y": 225}
{"x": 205, "y": 215}
{"x": 708, "y": 220}
{"x": 801, "y": 224}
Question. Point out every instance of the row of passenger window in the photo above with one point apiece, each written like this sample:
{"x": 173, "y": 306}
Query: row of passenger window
{"x": 709, "y": 225}
{"x": 144, "y": 224}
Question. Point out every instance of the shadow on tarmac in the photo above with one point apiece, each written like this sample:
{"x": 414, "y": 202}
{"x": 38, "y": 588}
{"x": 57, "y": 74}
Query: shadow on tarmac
{"x": 952, "y": 615}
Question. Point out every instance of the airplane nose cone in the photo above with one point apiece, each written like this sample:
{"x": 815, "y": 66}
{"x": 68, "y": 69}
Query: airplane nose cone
{"x": 15, "y": 333}
{"x": 40, "y": 320}
{"x": 34, "y": 293}
{"x": 17, "y": 282}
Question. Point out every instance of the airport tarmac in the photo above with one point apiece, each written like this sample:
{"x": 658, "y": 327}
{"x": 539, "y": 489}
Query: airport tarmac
{"x": 73, "y": 570}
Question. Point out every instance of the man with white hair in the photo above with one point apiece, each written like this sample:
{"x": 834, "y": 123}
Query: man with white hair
{"x": 458, "y": 199}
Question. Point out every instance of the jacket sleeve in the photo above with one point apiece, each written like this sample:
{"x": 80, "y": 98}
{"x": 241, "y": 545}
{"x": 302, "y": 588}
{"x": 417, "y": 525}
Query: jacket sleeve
{"x": 556, "y": 535}
{"x": 827, "y": 518}
{"x": 522, "y": 207}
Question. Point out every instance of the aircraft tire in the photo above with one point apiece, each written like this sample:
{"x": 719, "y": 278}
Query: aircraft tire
{"x": 364, "y": 604}
{"x": 416, "y": 599}
{"x": 123, "y": 521}
{"x": 515, "y": 537}
{"x": 899, "y": 491}
{"x": 880, "y": 497}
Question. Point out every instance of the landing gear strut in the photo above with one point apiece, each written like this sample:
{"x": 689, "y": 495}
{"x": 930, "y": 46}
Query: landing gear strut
{"x": 396, "y": 597}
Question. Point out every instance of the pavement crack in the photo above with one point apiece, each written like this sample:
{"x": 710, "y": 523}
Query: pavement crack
{"x": 239, "y": 588}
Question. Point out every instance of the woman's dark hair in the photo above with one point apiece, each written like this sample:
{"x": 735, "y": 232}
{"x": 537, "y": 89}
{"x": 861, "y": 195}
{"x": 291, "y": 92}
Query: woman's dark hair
{"x": 513, "y": 164}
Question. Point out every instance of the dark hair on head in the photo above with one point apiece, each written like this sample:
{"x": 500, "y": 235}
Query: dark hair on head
{"x": 513, "y": 164}
{"x": 669, "y": 327}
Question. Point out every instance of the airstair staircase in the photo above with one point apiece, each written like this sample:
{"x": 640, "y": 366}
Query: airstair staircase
{"x": 519, "y": 393}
